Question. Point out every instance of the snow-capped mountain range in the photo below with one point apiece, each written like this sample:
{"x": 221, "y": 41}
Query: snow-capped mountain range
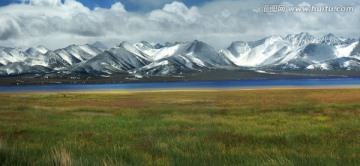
{"x": 292, "y": 52}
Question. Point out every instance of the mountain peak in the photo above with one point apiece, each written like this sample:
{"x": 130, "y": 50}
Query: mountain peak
{"x": 275, "y": 37}
{"x": 268, "y": 40}
{"x": 158, "y": 46}
{"x": 42, "y": 49}
{"x": 133, "y": 49}
{"x": 100, "y": 45}
{"x": 239, "y": 47}
{"x": 144, "y": 45}
{"x": 300, "y": 39}
{"x": 305, "y": 34}
{"x": 72, "y": 46}
{"x": 168, "y": 44}
{"x": 41, "y": 46}
{"x": 198, "y": 46}
{"x": 124, "y": 44}
{"x": 299, "y": 34}
{"x": 145, "y": 42}
{"x": 34, "y": 51}
{"x": 197, "y": 43}
{"x": 236, "y": 44}
{"x": 329, "y": 35}
{"x": 330, "y": 39}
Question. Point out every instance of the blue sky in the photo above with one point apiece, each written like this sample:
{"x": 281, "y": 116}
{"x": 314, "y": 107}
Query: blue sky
{"x": 130, "y": 5}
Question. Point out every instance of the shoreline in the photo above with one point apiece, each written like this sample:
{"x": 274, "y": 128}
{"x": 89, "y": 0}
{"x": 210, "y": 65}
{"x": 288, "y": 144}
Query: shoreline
{"x": 213, "y": 75}
{"x": 163, "y": 90}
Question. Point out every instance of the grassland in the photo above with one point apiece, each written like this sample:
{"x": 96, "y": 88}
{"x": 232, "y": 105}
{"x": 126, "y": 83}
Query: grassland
{"x": 234, "y": 127}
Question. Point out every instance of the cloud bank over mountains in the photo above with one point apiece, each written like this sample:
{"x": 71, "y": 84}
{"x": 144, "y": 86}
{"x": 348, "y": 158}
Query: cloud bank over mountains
{"x": 56, "y": 24}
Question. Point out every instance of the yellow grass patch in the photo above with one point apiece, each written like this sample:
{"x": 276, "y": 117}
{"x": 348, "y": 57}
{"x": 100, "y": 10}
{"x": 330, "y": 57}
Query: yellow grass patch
{"x": 322, "y": 118}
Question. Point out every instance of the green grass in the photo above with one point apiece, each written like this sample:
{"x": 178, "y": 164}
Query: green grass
{"x": 235, "y": 127}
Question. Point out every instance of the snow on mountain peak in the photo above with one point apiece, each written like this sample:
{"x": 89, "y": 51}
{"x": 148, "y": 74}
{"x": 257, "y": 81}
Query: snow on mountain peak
{"x": 202, "y": 53}
{"x": 41, "y": 49}
{"x": 295, "y": 51}
{"x": 197, "y": 46}
{"x": 330, "y": 39}
{"x": 238, "y": 48}
{"x": 356, "y": 50}
{"x": 117, "y": 59}
{"x": 143, "y": 45}
{"x": 35, "y": 51}
{"x": 272, "y": 39}
{"x": 135, "y": 50}
{"x": 125, "y": 44}
{"x": 301, "y": 39}
{"x": 11, "y": 55}
{"x": 161, "y": 52}
{"x": 78, "y": 53}
{"x": 100, "y": 45}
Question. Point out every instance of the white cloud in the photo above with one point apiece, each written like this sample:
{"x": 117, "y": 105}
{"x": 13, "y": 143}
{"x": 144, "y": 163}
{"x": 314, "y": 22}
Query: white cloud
{"x": 53, "y": 24}
{"x": 9, "y": 28}
{"x": 176, "y": 12}
{"x": 181, "y": 10}
{"x": 118, "y": 7}
{"x": 45, "y": 2}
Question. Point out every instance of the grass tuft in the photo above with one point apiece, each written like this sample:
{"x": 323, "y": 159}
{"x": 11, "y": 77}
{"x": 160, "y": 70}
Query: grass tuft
{"x": 61, "y": 157}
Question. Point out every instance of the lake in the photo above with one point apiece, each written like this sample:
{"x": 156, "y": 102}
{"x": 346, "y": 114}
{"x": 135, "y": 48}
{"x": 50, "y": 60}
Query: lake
{"x": 241, "y": 84}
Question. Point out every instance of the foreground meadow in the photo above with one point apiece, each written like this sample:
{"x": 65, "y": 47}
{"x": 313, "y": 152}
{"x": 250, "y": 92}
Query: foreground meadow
{"x": 233, "y": 127}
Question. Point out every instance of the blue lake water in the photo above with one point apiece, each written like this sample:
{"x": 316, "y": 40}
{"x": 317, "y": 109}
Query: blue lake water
{"x": 341, "y": 82}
